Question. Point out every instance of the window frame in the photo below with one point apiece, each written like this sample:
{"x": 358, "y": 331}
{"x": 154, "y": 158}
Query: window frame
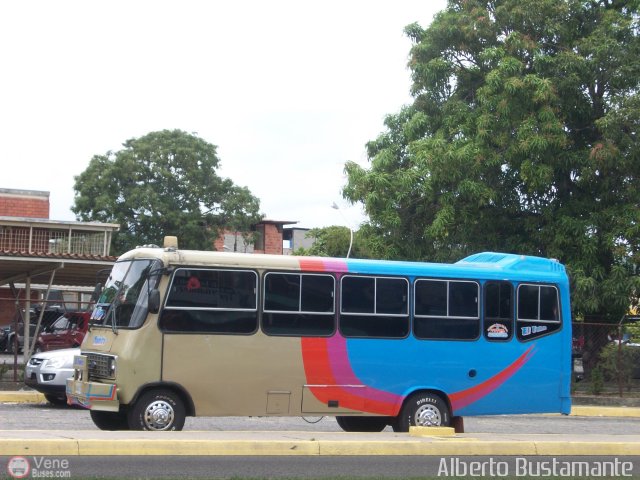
{"x": 477, "y": 319}
{"x": 167, "y": 307}
{"x": 488, "y": 321}
{"x": 448, "y": 281}
{"x": 539, "y": 287}
{"x": 375, "y": 295}
{"x": 406, "y": 315}
{"x": 300, "y": 275}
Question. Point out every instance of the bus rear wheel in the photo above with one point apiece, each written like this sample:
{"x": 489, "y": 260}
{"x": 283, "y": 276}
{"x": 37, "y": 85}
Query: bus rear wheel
{"x": 362, "y": 424}
{"x": 109, "y": 420}
{"x": 157, "y": 410}
{"x": 423, "y": 409}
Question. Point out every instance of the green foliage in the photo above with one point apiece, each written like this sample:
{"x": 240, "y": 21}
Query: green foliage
{"x": 328, "y": 242}
{"x": 597, "y": 381}
{"x": 163, "y": 183}
{"x": 334, "y": 241}
{"x": 522, "y": 137}
{"x": 619, "y": 363}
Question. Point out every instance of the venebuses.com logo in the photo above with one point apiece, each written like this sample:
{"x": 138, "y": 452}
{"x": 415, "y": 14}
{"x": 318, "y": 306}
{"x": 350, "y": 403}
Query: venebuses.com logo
{"x": 38, "y": 467}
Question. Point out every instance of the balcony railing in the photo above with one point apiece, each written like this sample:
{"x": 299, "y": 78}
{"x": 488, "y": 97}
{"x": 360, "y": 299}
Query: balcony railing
{"x": 51, "y": 240}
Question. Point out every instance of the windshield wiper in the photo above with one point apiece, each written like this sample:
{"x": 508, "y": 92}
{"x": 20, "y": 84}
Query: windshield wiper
{"x": 114, "y": 325}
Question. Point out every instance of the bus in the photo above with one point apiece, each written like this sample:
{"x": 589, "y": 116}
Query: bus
{"x": 178, "y": 333}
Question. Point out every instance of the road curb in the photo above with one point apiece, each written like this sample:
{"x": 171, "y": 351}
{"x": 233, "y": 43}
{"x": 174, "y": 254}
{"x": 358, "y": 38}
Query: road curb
{"x": 597, "y": 411}
{"x": 226, "y": 445}
{"x": 21, "y": 396}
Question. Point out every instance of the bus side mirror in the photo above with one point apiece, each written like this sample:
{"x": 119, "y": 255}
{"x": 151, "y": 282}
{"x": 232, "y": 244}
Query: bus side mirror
{"x": 154, "y": 301}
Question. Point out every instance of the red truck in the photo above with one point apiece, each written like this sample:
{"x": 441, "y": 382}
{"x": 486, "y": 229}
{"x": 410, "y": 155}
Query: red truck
{"x": 68, "y": 331}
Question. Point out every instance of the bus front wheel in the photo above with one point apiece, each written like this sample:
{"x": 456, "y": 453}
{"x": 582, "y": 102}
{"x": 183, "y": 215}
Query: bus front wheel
{"x": 109, "y": 420}
{"x": 157, "y": 410}
{"x": 362, "y": 424}
{"x": 423, "y": 409}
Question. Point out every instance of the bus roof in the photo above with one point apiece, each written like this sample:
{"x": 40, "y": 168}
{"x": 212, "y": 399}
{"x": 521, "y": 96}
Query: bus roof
{"x": 486, "y": 265}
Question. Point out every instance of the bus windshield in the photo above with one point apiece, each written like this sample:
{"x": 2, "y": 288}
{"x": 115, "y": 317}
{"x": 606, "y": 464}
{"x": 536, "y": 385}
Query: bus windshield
{"x": 124, "y": 299}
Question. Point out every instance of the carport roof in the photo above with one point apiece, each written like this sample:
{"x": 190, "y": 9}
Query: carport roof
{"x": 71, "y": 269}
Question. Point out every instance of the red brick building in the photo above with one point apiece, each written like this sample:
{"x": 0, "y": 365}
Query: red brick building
{"x": 24, "y": 203}
{"x": 268, "y": 236}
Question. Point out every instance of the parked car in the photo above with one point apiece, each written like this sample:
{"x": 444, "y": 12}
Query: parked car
{"x": 4, "y": 334}
{"x": 47, "y": 372}
{"x": 48, "y": 317}
{"x": 67, "y": 331}
{"x": 11, "y": 344}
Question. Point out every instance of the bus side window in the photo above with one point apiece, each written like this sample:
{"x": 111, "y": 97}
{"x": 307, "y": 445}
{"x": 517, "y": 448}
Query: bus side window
{"x": 374, "y": 307}
{"x": 538, "y": 311}
{"x": 211, "y": 301}
{"x": 298, "y": 304}
{"x": 498, "y": 311}
{"x": 446, "y": 309}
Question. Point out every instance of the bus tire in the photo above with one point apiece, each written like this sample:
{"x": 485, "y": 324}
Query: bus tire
{"x": 423, "y": 409}
{"x": 54, "y": 399}
{"x": 157, "y": 410}
{"x": 109, "y": 421}
{"x": 362, "y": 424}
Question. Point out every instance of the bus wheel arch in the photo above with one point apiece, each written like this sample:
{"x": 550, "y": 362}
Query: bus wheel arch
{"x": 160, "y": 407}
{"x": 424, "y": 408}
{"x": 190, "y": 410}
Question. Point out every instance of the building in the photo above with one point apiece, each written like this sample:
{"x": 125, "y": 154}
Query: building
{"x": 38, "y": 255}
{"x": 296, "y": 238}
{"x": 267, "y": 235}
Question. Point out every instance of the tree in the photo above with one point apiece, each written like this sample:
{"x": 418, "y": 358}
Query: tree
{"x": 334, "y": 241}
{"x": 163, "y": 183}
{"x": 522, "y": 137}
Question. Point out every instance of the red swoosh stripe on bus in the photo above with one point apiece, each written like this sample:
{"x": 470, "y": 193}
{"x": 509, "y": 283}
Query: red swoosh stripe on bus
{"x": 328, "y": 371}
{"x": 330, "y": 377}
{"x": 465, "y": 397}
{"x": 311, "y": 264}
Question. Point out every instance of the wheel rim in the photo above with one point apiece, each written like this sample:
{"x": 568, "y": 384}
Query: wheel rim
{"x": 428, "y": 416}
{"x": 159, "y": 415}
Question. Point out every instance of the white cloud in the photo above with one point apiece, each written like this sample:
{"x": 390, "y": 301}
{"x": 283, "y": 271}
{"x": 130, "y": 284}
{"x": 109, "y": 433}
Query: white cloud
{"x": 288, "y": 90}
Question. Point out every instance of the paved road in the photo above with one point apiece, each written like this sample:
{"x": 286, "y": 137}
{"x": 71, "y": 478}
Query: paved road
{"x": 46, "y": 416}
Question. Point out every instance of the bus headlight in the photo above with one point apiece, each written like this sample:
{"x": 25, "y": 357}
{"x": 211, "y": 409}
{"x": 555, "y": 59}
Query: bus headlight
{"x": 111, "y": 366}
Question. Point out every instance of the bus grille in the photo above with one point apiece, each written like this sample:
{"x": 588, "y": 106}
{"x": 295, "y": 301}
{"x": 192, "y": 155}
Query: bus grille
{"x": 99, "y": 366}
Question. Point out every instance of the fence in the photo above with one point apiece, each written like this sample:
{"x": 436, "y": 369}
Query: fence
{"x": 606, "y": 358}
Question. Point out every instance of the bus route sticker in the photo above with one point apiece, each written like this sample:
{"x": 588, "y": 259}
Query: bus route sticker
{"x": 18, "y": 467}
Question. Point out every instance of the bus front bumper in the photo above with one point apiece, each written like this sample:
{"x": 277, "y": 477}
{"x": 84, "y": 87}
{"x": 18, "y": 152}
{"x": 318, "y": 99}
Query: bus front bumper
{"x": 92, "y": 395}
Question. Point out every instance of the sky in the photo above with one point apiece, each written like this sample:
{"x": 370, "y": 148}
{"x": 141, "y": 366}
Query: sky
{"x": 288, "y": 90}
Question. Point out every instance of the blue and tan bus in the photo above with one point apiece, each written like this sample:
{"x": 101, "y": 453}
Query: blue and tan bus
{"x": 180, "y": 333}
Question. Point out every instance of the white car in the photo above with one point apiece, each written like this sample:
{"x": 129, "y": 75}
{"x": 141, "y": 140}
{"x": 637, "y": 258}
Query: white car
{"x": 47, "y": 372}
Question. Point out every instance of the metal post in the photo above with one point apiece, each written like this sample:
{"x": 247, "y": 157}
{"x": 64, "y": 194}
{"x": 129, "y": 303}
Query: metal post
{"x": 27, "y": 319}
{"x": 335, "y": 207}
{"x": 29, "y": 351}
{"x": 619, "y": 357}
